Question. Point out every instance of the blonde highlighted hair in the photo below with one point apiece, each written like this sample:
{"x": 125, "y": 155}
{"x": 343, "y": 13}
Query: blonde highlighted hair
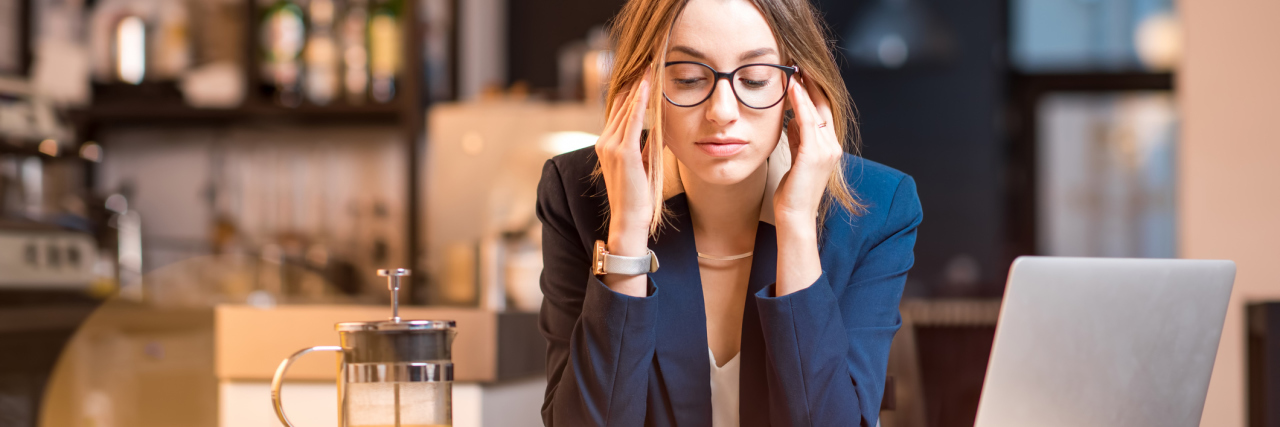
{"x": 640, "y": 34}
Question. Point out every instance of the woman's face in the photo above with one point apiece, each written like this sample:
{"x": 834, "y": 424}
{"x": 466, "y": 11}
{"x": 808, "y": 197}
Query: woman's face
{"x": 721, "y": 140}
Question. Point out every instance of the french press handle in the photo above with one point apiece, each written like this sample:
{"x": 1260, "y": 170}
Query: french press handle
{"x": 278, "y": 379}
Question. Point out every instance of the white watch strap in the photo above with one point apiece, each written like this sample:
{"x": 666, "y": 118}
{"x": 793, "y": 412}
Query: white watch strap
{"x": 631, "y": 265}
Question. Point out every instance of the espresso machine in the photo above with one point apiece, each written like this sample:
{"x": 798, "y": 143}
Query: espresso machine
{"x": 392, "y": 373}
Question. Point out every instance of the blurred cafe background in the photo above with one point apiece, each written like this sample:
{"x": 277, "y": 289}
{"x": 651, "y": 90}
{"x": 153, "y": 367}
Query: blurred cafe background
{"x": 191, "y": 190}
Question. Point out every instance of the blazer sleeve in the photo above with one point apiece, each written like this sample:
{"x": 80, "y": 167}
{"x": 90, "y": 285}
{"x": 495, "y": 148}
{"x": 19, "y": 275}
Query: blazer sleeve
{"x": 600, "y": 343}
{"x": 827, "y": 349}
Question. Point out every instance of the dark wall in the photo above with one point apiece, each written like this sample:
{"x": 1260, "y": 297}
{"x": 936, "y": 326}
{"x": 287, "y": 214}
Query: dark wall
{"x": 538, "y": 28}
{"x": 941, "y": 124}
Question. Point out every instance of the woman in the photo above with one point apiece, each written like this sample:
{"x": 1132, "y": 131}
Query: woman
{"x": 780, "y": 259}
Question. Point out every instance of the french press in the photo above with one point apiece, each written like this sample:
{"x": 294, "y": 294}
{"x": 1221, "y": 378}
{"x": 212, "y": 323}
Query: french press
{"x": 393, "y": 373}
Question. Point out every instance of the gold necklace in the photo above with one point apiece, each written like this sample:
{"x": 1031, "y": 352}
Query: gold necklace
{"x": 724, "y": 258}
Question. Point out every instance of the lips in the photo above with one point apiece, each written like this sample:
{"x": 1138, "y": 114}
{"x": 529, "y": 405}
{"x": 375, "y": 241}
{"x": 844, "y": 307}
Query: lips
{"x": 721, "y": 147}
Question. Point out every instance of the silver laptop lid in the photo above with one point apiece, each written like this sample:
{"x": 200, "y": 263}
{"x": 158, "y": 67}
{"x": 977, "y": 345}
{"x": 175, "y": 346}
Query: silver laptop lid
{"x": 1105, "y": 342}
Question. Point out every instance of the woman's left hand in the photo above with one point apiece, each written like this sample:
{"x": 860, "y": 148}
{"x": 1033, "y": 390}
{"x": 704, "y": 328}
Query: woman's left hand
{"x": 815, "y": 153}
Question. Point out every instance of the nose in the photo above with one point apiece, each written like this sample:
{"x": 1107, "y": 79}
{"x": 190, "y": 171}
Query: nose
{"x": 722, "y": 108}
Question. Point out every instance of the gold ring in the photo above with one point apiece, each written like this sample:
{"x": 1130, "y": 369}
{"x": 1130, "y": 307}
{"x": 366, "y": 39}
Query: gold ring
{"x": 822, "y": 125}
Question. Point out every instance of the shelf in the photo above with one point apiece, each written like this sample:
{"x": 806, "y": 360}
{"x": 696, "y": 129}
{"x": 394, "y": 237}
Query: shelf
{"x": 169, "y": 113}
{"x": 153, "y": 103}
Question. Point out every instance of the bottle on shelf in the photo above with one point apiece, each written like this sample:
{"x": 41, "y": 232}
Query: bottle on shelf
{"x": 355, "y": 52}
{"x": 172, "y": 40}
{"x": 283, "y": 38}
{"x": 321, "y": 54}
{"x": 385, "y": 52}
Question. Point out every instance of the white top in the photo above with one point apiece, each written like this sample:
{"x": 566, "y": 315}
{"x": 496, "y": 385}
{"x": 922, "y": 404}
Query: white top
{"x": 724, "y": 391}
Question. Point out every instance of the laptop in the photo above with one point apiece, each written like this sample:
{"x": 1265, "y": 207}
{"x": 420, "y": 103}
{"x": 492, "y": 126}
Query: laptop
{"x": 1105, "y": 342}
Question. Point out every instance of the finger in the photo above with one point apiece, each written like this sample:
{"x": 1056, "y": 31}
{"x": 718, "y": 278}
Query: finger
{"x": 821, "y": 103}
{"x": 820, "y": 140}
{"x": 807, "y": 104}
{"x": 803, "y": 124}
{"x": 611, "y": 124}
{"x": 628, "y": 111}
{"x": 818, "y": 123}
{"x": 806, "y": 118}
{"x": 795, "y": 100}
{"x": 825, "y": 143}
{"x": 822, "y": 111}
{"x": 640, "y": 105}
{"x": 619, "y": 111}
{"x": 610, "y": 120}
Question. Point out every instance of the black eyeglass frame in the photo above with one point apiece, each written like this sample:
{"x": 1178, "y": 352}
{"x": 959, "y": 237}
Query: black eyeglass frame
{"x": 789, "y": 70}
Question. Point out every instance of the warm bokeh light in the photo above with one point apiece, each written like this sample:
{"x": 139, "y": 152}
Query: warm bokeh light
{"x": 131, "y": 49}
{"x": 91, "y": 151}
{"x": 1158, "y": 40}
{"x": 49, "y": 148}
{"x": 564, "y": 142}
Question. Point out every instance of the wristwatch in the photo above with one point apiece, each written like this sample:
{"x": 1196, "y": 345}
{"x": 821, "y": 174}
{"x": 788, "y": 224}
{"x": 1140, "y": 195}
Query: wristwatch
{"x": 604, "y": 263}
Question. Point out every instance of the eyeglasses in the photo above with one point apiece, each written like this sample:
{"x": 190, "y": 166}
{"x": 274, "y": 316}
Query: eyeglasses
{"x": 757, "y": 86}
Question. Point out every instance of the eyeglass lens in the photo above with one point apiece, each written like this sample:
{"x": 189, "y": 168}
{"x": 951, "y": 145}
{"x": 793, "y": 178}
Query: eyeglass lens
{"x": 756, "y": 86}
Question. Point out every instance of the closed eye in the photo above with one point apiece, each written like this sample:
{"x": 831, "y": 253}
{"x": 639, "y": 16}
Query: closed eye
{"x": 754, "y": 84}
{"x": 690, "y": 82}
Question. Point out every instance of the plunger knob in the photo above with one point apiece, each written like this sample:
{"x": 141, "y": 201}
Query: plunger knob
{"x": 393, "y": 284}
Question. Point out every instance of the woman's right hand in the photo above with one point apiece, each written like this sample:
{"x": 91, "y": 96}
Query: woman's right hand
{"x": 630, "y": 199}
{"x": 623, "y": 168}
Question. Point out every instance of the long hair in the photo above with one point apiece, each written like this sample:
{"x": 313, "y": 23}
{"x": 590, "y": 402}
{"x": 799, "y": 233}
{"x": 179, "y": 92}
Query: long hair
{"x": 640, "y": 33}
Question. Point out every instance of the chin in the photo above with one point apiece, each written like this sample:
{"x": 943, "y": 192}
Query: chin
{"x": 724, "y": 171}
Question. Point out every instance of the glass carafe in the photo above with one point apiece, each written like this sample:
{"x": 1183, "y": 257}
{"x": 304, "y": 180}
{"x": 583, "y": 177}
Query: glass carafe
{"x": 393, "y": 373}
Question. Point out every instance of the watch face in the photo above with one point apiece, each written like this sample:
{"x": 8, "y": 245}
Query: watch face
{"x": 597, "y": 258}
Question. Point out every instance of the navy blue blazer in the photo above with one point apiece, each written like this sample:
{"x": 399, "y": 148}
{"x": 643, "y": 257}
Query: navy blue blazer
{"x": 816, "y": 357}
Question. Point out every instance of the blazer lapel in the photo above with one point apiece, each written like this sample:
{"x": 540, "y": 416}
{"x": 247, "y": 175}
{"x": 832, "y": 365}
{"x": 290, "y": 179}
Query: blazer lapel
{"x": 682, "y": 328}
{"x": 753, "y": 385}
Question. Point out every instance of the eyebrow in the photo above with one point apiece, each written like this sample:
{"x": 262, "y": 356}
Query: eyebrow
{"x": 756, "y": 53}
